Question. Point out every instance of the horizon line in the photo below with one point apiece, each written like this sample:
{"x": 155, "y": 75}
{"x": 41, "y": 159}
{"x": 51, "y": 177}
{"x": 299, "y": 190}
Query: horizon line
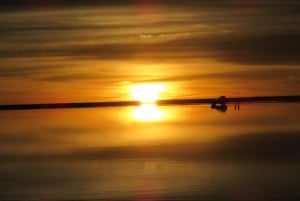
{"x": 192, "y": 101}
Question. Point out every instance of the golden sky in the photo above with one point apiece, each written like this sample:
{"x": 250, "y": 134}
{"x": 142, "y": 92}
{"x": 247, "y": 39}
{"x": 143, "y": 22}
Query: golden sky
{"x": 75, "y": 53}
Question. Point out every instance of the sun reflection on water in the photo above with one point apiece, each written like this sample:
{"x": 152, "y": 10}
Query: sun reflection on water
{"x": 148, "y": 112}
{"x": 147, "y": 94}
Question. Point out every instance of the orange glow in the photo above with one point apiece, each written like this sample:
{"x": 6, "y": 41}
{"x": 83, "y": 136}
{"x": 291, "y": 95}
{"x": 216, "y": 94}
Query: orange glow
{"x": 148, "y": 112}
{"x": 147, "y": 93}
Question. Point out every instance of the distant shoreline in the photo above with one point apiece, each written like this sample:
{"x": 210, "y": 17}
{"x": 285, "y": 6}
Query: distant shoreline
{"x": 195, "y": 101}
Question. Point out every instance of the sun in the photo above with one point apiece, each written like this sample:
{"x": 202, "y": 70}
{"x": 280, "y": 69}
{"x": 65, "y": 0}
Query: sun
{"x": 147, "y": 93}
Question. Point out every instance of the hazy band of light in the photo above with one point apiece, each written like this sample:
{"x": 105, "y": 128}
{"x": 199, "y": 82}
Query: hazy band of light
{"x": 265, "y": 99}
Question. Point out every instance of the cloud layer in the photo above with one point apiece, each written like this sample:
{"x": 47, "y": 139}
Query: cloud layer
{"x": 113, "y": 44}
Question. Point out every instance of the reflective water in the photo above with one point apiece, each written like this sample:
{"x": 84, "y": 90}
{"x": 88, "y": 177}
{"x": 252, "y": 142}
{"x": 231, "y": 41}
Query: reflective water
{"x": 149, "y": 180}
{"x": 187, "y": 153}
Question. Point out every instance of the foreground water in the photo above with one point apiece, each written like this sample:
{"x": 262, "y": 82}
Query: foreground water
{"x": 149, "y": 180}
{"x": 176, "y": 153}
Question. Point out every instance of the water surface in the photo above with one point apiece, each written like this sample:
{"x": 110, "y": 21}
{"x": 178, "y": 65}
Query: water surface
{"x": 185, "y": 153}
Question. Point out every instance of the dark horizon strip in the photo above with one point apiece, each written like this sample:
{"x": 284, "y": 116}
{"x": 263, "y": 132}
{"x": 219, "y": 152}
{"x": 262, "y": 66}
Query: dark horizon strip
{"x": 255, "y": 99}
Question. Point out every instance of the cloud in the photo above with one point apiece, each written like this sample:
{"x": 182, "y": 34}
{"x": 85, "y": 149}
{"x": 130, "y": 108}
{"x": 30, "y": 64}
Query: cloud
{"x": 258, "y": 75}
{"x": 29, "y": 4}
{"x": 72, "y": 76}
{"x": 262, "y": 49}
{"x": 24, "y": 71}
{"x": 269, "y": 35}
{"x": 48, "y": 4}
{"x": 265, "y": 48}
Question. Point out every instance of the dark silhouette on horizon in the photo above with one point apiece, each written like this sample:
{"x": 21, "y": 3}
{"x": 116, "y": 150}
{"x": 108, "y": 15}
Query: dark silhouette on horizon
{"x": 219, "y": 104}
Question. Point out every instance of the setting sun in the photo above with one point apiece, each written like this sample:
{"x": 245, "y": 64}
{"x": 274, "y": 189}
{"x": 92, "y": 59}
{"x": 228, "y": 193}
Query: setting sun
{"x": 147, "y": 93}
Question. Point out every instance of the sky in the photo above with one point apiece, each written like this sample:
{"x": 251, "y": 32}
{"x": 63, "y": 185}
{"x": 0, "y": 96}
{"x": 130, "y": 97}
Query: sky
{"x": 61, "y": 51}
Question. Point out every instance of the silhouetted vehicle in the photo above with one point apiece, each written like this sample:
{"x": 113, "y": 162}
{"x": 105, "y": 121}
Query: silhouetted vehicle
{"x": 219, "y": 104}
